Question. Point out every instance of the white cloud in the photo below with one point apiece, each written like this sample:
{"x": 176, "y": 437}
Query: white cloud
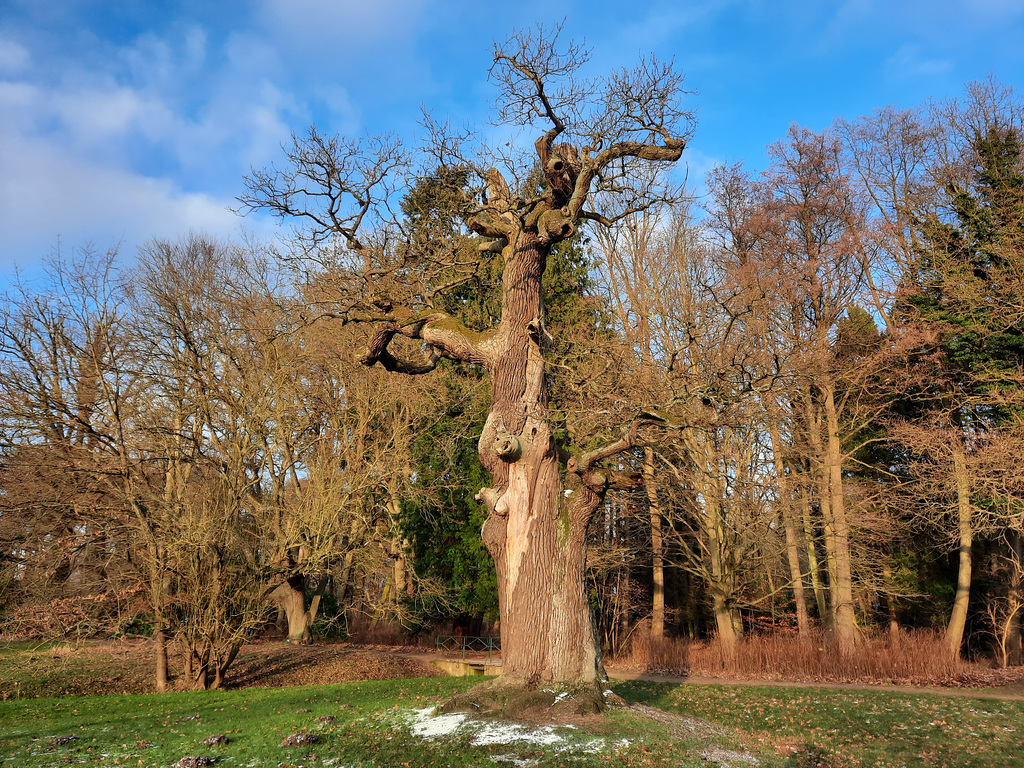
{"x": 338, "y": 27}
{"x": 48, "y": 192}
{"x": 147, "y": 142}
{"x": 14, "y": 57}
{"x": 911, "y": 62}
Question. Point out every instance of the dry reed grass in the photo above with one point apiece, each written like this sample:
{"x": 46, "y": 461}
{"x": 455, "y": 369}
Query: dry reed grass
{"x": 913, "y": 657}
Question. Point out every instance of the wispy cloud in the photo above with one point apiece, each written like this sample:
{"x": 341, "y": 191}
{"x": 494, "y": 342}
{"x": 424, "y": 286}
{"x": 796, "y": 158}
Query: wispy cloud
{"x": 910, "y": 61}
{"x": 14, "y": 57}
{"x": 149, "y": 140}
{"x": 60, "y": 193}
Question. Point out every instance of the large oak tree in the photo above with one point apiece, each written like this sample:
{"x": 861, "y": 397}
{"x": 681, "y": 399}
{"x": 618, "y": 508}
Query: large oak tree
{"x": 597, "y": 142}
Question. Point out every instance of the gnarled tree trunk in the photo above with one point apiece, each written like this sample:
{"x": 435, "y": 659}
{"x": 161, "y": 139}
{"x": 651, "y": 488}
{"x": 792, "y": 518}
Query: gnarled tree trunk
{"x": 291, "y": 597}
{"x": 536, "y": 530}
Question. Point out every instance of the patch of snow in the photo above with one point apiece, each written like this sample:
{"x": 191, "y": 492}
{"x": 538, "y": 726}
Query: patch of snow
{"x": 518, "y": 762}
{"x": 428, "y": 727}
{"x": 424, "y": 725}
{"x": 592, "y": 747}
{"x": 509, "y": 733}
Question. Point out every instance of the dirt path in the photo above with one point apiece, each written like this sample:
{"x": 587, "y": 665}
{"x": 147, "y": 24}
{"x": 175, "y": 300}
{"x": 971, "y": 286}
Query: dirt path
{"x": 980, "y": 693}
{"x": 1013, "y": 691}
{"x": 126, "y": 667}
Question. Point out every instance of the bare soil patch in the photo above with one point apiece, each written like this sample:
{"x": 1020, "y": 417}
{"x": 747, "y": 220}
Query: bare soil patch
{"x": 114, "y": 667}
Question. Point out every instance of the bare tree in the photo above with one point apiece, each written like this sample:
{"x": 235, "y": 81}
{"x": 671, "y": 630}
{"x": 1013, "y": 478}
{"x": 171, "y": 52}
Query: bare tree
{"x": 594, "y": 136}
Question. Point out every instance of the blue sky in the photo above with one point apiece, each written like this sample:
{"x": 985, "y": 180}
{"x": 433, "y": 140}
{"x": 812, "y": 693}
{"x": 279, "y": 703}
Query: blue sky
{"x": 124, "y": 120}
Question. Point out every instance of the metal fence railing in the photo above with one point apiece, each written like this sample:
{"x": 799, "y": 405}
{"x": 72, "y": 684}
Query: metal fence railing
{"x": 463, "y": 644}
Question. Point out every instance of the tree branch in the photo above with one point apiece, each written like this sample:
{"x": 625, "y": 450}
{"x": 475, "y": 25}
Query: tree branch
{"x": 445, "y": 335}
{"x": 630, "y": 439}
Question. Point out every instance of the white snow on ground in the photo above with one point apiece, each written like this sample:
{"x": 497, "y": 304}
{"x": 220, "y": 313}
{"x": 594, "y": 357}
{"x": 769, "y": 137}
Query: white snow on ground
{"x": 484, "y": 733}
{"x": 487, "y": 733}
{"x": 427, "y": 727}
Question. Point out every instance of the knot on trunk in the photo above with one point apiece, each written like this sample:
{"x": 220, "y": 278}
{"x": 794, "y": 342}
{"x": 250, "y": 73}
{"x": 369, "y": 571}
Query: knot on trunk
{"x": 488, "y": 225}
{"x": 554, "y": 225}
{"x": 562, "y": 168}
{"x": 508, "y": 447}
{"x": 490, "y": 498}
{"x": 539, "y": 333}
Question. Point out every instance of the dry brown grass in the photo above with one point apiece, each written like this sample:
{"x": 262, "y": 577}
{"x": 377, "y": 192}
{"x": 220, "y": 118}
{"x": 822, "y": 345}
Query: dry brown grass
{"x": 914, "y": 657}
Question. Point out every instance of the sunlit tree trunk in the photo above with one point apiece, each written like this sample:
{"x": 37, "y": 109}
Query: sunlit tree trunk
{"x": 719, "y": 581}
{"x": 657, "y": 548}
{"x": 160, "y": 642}
{"x": 844, "y": 617}
{"x": 536, "y": 531}
{"x": 291, "y": 596}
{"x": 958, "y": 617}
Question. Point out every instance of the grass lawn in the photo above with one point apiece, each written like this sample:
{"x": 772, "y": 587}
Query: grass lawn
{"x": 829, "y": 727}
{"x": 373, "y": 723}
{"x": 371, "y": 728}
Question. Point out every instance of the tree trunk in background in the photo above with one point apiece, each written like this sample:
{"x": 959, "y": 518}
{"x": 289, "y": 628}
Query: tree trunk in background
{"x": 792, "y": 542}
{"x": 844, "y": 616}
{"x": 890, "y": 605}
{"x": 657, "y": 548}
{"x": 160, "y": 641}
{"x": 292, "y": 598}
{"x": 813, "y": 568}
{"x": 719, "y": 577}
{"x": 727, "y": 637}
{"x": 958, "y": 617}
{"x": 1015, "y": 641}
{"x": 345, "y": 575}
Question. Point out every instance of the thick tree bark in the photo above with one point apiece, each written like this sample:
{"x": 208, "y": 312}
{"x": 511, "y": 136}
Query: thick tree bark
{"x": 536, "y": 529}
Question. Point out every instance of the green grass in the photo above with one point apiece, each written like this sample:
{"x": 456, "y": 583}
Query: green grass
{"x": 855, "y": 728}
{"x": 785, "y": 727}
{"x": 371, "y": 729}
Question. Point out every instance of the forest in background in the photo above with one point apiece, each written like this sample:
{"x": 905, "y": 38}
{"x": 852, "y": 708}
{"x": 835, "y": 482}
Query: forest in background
{"x": 191, "y": 448}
